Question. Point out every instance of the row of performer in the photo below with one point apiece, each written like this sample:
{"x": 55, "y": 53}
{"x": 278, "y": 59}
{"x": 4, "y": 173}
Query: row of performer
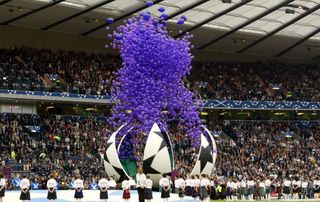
{"x": 246, "y": 189}
{"x": 196, "y": 187}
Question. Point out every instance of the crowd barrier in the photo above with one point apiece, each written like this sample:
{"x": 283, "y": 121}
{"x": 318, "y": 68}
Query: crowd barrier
{"x": 211, "y": 104}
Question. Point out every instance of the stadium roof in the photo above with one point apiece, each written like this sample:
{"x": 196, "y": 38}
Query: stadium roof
{"x": 249, "y": 24}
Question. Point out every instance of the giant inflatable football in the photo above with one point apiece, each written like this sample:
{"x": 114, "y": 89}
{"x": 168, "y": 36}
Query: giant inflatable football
{"x": 158, "y": 156}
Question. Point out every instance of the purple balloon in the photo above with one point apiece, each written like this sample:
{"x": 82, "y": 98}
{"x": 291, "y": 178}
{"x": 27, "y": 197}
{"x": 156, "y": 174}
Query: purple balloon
{"x": 146, "y": 17}
{"x": 184, "y": 17}
{"x": 180, "y": 22}
{"x": 161, "y": 9}
{"x": 150, "y": 82}
{"x": 149, "y": 3}
{"x": 164, "y": 16}
{"x": 109, "y": 20}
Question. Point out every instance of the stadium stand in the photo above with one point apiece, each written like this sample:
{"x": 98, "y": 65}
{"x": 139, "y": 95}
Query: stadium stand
{"x": 76, "y": 72}
{"x": 262, "y": 108}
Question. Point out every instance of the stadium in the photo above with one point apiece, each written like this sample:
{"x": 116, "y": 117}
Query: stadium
{"x": 159, "y": 100}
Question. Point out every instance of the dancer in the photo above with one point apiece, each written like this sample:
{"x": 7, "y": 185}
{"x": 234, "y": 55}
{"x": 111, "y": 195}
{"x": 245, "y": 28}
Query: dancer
{"x": 234, "y": 186}
{"x": 112, "y": 183}
{"x": 213, "y": 188}
{"x": 180, "y": 187}
{"x": 304, "y": 187}
{"x": 165, "y": 188}
{"x": 268, "y": 183}
{"x": 148, "y": 189}
{"x": 194, "y": 192}
{"x": 3, "y": 185}
{"x": 296, "y": 186}
{"x": 51, "y": 186}
{"x": 78, "y": 186}
{"x": 132, "y": 183}
{"x": 188, "y": 183}
{"x": 250, "y": 184}
{"x": 197, "y": 186}
{"x": 278, "y": 186}
{"x": 204, "y": 187}
{"x": 103, "y": 186}
{"x": 243, "y": 185}
{"x": 229, "y": 190}
{"x": 141, "y": 181}
{"x": 262, "y": 189}
{"x": 286, "y": 188}
{"x": 126, "y": 189}
{"x": 25, "y": 189}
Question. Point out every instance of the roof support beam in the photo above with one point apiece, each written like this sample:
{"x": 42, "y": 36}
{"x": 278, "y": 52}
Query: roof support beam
{"x": 31, "y": 12}
{"x": 4, "y": 2}
{"x": 77, "y": 14}
{"x": 285, "y": 25}
{"x": 246, "y": 23}
{"x": 316, "y": 31}
{"x": 232, "y": 8}
{"x": 120, "y": 18}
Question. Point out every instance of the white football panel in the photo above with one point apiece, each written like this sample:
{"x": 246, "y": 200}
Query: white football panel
{"x": 161, "y": 161}
{"x": 208, "y": 169}
{"x": 153, "y": 142}
{"x": 110, "y": 170}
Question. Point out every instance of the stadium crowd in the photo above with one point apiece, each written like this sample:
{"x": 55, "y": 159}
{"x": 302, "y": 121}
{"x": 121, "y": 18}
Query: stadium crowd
{"x": 70, "y": 145}
{"x": 260, "y": 149}
{"x": 62, "y": 71}
{"x": 284, "y": 153}
{"x": 255, "y": 81}
{"x": 76, "y": 72}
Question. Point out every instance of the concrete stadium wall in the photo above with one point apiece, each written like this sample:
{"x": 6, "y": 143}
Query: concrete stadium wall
{"x": 18, "y": 36}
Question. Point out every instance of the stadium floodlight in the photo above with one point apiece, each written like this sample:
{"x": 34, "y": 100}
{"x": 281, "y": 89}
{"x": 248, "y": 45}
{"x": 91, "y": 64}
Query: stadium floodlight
{"x": 290, "y": 11}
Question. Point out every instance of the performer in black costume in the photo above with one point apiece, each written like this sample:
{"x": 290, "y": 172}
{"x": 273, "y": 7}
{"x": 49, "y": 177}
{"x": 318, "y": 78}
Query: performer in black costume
{"x": 103, "y": 186}
{"x": 51, "y": 186}
{"x": 25, "y": 189}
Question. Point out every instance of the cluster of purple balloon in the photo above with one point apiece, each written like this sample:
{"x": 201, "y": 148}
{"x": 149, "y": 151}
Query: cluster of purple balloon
{"x": 150, "y": 85}
{"x": 127, "y": 148}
